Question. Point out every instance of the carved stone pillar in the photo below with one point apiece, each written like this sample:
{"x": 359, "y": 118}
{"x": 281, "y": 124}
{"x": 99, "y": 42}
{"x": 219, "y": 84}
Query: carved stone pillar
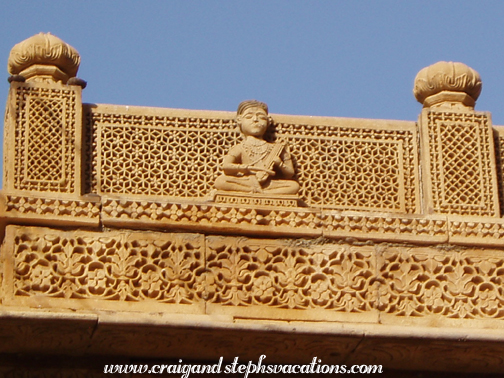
{"x": 43, "y": 130}
{"x": 458, "y": 159}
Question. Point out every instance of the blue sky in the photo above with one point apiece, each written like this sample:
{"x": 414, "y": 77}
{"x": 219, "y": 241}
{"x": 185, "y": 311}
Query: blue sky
{"x": 324, "y": 58}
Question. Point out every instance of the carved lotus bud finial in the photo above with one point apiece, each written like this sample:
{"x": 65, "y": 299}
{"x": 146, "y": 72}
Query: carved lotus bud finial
{"x": 447, "y": 84}
{"x": 44, "y": 58}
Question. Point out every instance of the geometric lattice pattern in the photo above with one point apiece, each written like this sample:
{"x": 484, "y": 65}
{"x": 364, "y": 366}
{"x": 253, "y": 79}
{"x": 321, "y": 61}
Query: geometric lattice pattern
{"x": 354, "y": 168}
{"x": 177, "y": 156}
{"x": 461, "y": 165}
{"x": 170, "y": 161}
{"x": 45, "y": 142}
{"x": 352, "y": 173}
{"x": 499, "y": 159}
{"x": 45, "y": 139}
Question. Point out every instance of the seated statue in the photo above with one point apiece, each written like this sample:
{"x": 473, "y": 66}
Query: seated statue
{"x": 254, "y": 165}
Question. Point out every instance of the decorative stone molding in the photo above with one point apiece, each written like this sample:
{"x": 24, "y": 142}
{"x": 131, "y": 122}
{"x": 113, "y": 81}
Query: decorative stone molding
{"x": 44, "y": 57}
{"x": 273, "y": 279}
{"x": 248, "y": 199}
{"x": 252, "y": 219}
{"x": 390, "y": 227}
{"x": 441, "y": 282}
{"x": 447, "y": 84}
{"x": 487, "y": 232}
{"x": 53, "y": 211}
{"x": 104, "y": 268}
{"x": 249, "y": 220}
{"x": 252, "y": 278}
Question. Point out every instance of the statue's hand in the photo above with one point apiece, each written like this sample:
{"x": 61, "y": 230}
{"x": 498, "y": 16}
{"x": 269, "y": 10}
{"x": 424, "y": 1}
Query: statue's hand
{"x": 277, "y": 161}
{"x": 268, "y": 172}
{"x": 262, "y": 176}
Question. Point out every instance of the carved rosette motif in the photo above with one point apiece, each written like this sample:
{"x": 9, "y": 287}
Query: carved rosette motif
{"x": 474, "y": 232}
{"x": 385, "y": 227}
{"x": 211, "y": 216}
{"x": 22, "y": 205}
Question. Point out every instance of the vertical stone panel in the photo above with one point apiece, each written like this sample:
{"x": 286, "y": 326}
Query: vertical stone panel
{"x": 460, "y": 173}
{"x": 43, "y": 142}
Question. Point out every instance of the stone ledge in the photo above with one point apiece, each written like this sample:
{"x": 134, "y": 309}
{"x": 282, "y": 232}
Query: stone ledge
{"x": 206, "y": 216}
{"x": 385, "y": 227}
{"x": 62, "y": 210}
{"x": 476, "y": 231}
{"x": 211, "y": 217}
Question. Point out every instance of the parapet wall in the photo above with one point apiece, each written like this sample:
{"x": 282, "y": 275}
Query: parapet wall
{"x": 155, "y": 168}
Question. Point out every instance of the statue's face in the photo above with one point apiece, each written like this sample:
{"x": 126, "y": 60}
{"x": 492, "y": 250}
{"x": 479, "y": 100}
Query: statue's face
{"x": 254, "y": 121}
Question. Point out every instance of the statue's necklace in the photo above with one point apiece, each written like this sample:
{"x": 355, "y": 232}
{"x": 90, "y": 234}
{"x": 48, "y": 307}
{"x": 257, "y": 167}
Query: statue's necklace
{"x": 256, "y": 150}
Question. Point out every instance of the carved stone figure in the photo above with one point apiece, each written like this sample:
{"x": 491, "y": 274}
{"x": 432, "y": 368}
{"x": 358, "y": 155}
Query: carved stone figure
{"x": 255, "y": 165}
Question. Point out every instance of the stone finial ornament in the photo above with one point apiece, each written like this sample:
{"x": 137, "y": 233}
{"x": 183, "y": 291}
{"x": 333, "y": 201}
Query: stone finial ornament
{"x": 44, "y": 58}
{"x": 447, "y": 84}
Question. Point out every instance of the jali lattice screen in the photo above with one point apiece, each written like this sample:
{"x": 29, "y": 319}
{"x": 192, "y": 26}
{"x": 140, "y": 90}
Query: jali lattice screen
{"x": 461, "y": 163}
{"x": 44, "y": 138}
{"x": 176, "y": 155}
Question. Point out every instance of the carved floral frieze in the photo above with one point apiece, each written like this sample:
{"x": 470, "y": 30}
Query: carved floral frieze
{"x": 456, "y": 284}
{"x": 261, "y": 276}
{"x": 115, "y": 266}
{"x": 248, "y": 272}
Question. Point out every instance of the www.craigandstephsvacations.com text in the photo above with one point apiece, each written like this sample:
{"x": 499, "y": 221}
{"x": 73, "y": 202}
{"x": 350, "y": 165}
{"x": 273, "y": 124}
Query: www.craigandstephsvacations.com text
{"x": 315, "y": 367}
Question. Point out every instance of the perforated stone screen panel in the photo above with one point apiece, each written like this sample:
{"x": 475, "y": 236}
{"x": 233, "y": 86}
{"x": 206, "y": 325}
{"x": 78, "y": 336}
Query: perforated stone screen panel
{"x": 45, "y": 138}
{"x": 368, "y": 165}
{"x": 461, "y": 163}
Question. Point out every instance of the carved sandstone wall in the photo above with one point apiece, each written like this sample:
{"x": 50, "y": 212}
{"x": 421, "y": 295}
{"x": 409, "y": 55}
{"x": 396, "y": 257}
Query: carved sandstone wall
{"x": 112, "y": 227}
